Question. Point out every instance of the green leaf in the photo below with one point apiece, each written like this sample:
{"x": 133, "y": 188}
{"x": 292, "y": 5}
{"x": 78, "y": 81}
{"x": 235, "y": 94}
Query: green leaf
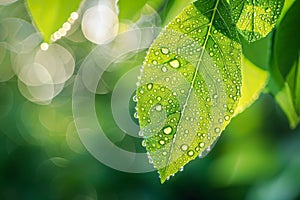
{"x": 293, "y": 81}
{"x": 282, "y": 94}
{"x": 50, "y": 15}
{"x": 285, "y": 84}
{"x": 253, "y": 82}
{"x": 286, "y": 7}
{"x": 287, "y": 40}
{"x": 189, "y": 86}
{"x": 255, "y": 18}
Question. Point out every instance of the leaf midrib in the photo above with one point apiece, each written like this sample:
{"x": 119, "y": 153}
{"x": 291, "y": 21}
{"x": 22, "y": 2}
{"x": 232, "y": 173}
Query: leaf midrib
{"x": 194, "y": 78}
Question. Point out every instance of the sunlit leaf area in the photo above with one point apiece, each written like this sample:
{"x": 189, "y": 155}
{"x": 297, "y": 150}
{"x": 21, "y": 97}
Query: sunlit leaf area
{"x": 149, "y": 99}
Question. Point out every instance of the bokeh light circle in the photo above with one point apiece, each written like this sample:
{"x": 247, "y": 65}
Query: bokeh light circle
{"x": 90, "y": 131}
{"x": 100, "y": 24}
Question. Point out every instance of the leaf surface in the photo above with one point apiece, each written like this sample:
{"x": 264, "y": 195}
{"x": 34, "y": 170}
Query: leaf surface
{"x": 50, "y": 15}
{"x": 189, "y": 85}
{"x": 285, "y": 82}
{"x": 254, "y": 81}
{"x": 287, "y": 40}
{"x": 255, "y": 18}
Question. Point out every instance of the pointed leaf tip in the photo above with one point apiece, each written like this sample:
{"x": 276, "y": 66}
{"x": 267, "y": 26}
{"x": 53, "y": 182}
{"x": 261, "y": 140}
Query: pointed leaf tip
{"x": 49, "y": 16}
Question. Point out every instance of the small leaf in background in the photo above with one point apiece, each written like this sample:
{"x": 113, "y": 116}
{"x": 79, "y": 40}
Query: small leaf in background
{"x": 255, "y": 19}
{"x": 285, "y": 84}
{"x": 190, "y": 85}
{"x": 50, "y": 15}
{"x": 253, "y": 82}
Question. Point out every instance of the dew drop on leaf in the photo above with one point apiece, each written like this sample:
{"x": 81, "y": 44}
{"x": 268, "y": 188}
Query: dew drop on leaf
{"x": 165, "y": 51}
{"x": 184, "y": 147}
{"x": 168, "y": 130}
{"x": 174, "y": 63}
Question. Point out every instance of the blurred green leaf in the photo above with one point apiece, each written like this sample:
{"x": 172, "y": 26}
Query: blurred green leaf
{"x": 190, "y": 85}
{"x": 284, "y": 84}
{"x": 50, "y": 15}
{"x": 287, "y": 40}
{"x": 255, "y": 19}
{"x": 282, "y": 94}
{"x": 286, "y": 7}
{"x": 253, "y": 82}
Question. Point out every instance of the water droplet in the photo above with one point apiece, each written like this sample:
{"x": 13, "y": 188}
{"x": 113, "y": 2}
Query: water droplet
{"x": 226, "y": 117}
{"x": 181, "y": 169}
{"x": 74, "y": 15}
{"x": 144, "y": 143}
{"x": 141, "y": 133}
{"x": 168, "y": 130}
{"x": 154, "y": 62}
{"x": 134, "y": 98}
{"x": 217, "y": 130}
{"x": 164, "y": 69}
{"x": 149, "y": 86}
{"x": 211, "y": 54}
{"x": 184, "y": 147}
{"x": 165, "y": 51}
{"x": 164, "y": 153}
{"x": 162, "y": 142}
{"x": 136, "y": 115}
{"x": 201, "y": 144}
{"x": 174, "y": 63}
{"x": 190, "y": 153}
{"x": 158, "y": 107}
{"x": 158, "y": 98}
{"x": 268, "y": 10}
{"x": 44, "y": 46}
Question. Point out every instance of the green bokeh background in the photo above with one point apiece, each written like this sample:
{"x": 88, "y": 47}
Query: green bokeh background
{"x": 41, "y": 156}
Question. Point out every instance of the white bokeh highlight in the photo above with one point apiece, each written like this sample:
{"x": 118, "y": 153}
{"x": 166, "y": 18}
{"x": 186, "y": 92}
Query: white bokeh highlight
{"x": 100, "y": 24}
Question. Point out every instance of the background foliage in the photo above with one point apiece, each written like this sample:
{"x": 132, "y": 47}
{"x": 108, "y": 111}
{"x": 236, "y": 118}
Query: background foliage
{"x": 41, "y": 156}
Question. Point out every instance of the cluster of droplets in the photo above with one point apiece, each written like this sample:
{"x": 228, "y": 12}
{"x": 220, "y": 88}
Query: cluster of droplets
{"x": 64, "y": 29}
{"x": 256, "y": 21}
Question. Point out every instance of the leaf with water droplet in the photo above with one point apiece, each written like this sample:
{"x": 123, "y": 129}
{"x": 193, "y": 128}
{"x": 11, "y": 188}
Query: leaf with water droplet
{"x": 50, "y": 15}
{"x": 194, "y": 71}
{"x": 255, "y": 19}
